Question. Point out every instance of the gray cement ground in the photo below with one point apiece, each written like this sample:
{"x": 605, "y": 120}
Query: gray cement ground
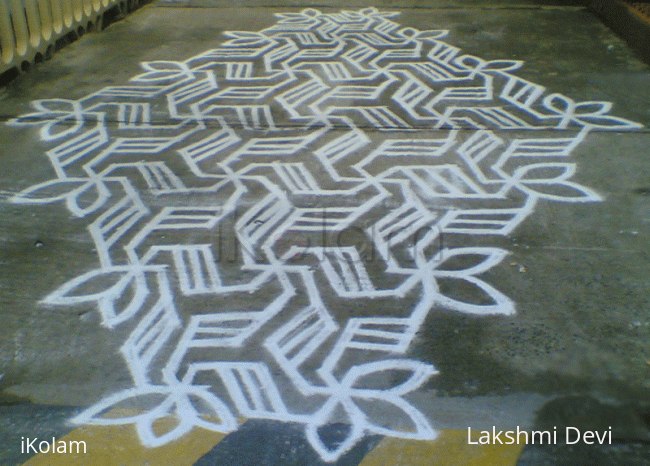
{"x": 578, "y": 273}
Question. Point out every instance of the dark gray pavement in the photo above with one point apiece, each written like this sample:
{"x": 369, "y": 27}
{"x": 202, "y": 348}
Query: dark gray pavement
{"x": 524, "y": 189}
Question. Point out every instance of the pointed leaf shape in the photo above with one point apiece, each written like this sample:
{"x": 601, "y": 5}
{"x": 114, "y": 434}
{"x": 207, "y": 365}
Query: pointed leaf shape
{"x": 226, "y": 420}
{"x": 99, "y": 283}
{"x": 124, "y": 407}
{"x": 445, "y": 262}
{"x": 113, "y": 308}
{"x": 163, "y": 407}
{"x": 60, "y": 117}
{"x": 592, "y": 108}
{"x": 476, "y": 64}
{"x": 106, "y": 286}
{"x": 608, "y": 122}
{"x": 65, "y": 117}
{"x": 432, "y": 35}
{"x": 51, "y": 191}
{"x": 166, "y": 411}
{"x": 323, "y": 417}
{"x": 593, "y": 114}
{"x": 163, "y": 70}
{"x": 291, "y": 17}
{"x": 382, "y": 14}
{"x": 420, "y": 427}
{"x": 545, "y": 172}
{"x": 565, "y": 191}
{"x": 353, "y": 14}
{"x": 419, "y": 373}
{"x": 163, "y": 403}
{"x": 61, "y": 127}
{"x": 246, "y": 39}
{"x": 503, "y": 65}
{"x": 408, "y": 32}
{"x": 501, "y": 304}
{"x": 57, "y": 107}
{"x": 550, "y": 181}
{"x": 88, "y": 198}
{"x": 370, "y": 11}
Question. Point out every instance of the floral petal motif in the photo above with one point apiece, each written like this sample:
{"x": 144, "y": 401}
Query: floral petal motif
{"x": 83, "y": 196}
{"x": 432, "y": 35}
{"x": 291, "y": 18}
{"x": 492, "y": 257}
{"x": 49, "y": 109}
{"x": 165, "y": 402}
{"x": 123, "y": 406}
{"x": 88, "y": 198}
{"x": 591, "y": 114}
{"x": 351, "y": 14}
{"x": 420, "y": 428}
{"x": 331, "y": 451}
{"x": 374, "y": 12}
{"x": 354, "y": 387}
{"x": 419, "y": 374}
{"x": 219, "y": 419}
{"x": 105, "y": 286}
{"x": 243, "y": 39}
{"x": 163, "y": 70}
{"x": 476, "y": 65}
{"x": 51, "y": 191}
{"x": 59, "y": 117}
{"x": 501, "y": 303}
{"x": 536, "y": 180}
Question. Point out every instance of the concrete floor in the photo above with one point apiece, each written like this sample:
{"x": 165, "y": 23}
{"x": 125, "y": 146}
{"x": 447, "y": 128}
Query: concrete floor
{"x": 541, "y": 322}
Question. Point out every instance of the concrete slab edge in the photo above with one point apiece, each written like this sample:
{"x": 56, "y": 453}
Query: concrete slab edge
{"x": 627, "y": 23}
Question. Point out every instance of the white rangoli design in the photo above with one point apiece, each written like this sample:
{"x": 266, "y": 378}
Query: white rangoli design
{"x": 293, "y": 142}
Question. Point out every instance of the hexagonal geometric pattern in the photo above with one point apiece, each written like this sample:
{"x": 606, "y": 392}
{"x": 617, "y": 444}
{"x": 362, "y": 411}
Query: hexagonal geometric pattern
{"x": 246, "y": 201}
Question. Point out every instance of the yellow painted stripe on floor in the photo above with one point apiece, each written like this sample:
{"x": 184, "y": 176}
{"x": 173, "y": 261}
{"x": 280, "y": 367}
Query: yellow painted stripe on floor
{"x": 120, "y": 446}
{"x": 450, "y": 448}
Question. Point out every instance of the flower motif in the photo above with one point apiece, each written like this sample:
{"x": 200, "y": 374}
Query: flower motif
{"x": 353, "y": 387}
{"x": 592, "y": 114}
{"x": 184, "y": 406}
{"x": 72, "y": 190}
{"x": 163, "y": 71}
{"x": 443, "y": 267}
{"x": 106, "y": 287}
{"x": 556, "y": 186}
{"x": 59, "y": 117}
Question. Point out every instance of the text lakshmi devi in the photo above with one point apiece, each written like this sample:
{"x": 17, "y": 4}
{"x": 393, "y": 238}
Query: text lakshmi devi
{"x": 570, "y": 435}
